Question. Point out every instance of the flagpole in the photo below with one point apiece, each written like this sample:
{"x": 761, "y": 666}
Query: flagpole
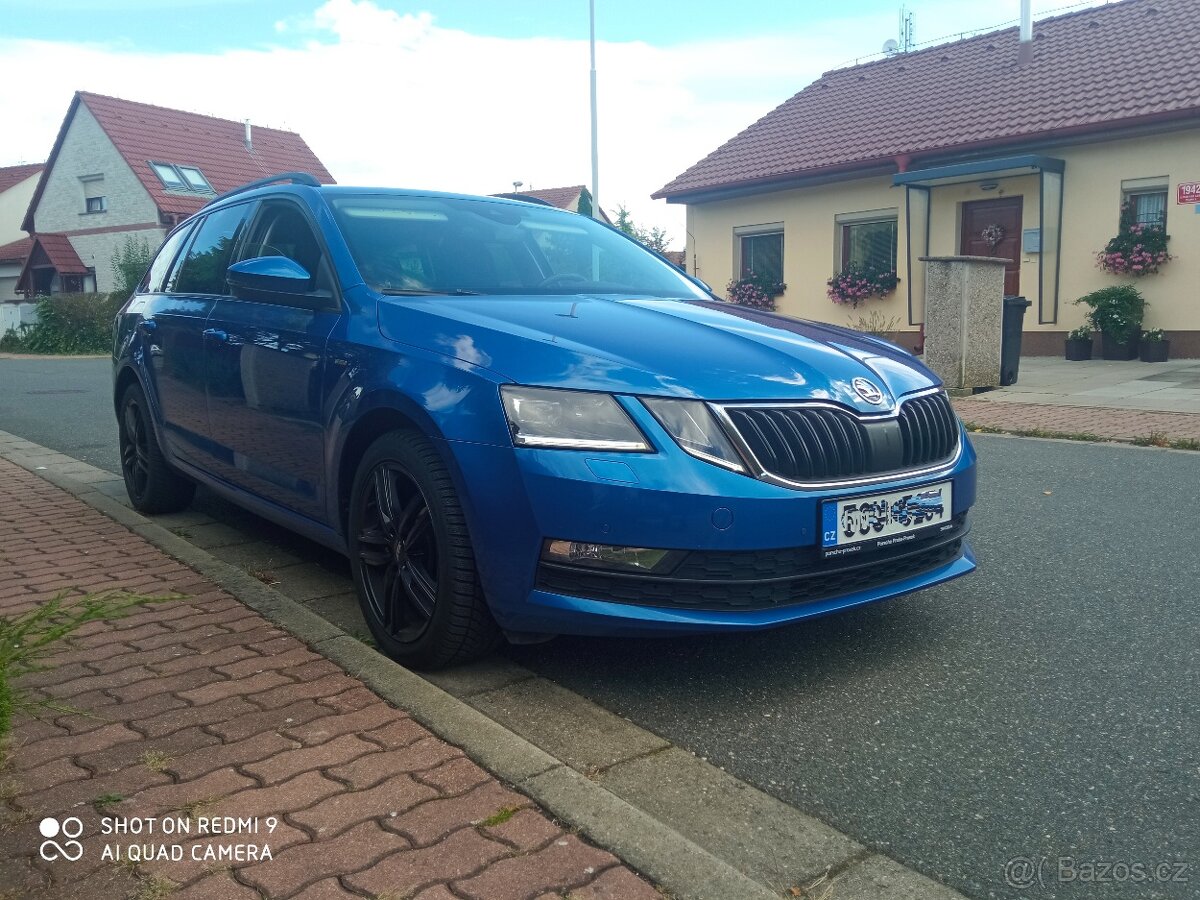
{"x": 595, "y": 150}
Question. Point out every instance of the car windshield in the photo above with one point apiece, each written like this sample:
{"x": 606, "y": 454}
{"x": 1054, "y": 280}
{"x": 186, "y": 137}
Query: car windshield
{"x": 437, "y": 245}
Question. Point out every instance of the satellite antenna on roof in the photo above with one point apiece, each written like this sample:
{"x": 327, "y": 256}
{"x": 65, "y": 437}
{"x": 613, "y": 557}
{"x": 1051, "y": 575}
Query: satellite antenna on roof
{"x": 890, "y": 46}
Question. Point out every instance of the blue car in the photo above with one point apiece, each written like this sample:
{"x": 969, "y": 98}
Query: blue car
{"x": 517, "y": 422}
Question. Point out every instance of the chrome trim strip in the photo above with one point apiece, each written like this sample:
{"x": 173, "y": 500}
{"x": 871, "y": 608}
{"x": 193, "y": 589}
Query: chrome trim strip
{"x": 758, "y": 471}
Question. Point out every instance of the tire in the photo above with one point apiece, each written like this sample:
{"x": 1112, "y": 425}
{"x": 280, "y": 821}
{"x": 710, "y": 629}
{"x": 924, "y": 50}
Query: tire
{"x": 153, "y": 486}
{"x": 411, "y": 556}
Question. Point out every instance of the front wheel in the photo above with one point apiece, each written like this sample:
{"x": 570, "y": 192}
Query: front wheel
{"x": 411, "y": 556}
{"x": 153, "y": 486}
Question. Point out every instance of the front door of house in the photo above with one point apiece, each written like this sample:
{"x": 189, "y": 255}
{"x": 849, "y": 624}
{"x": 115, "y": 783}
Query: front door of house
{"x": 993, "y": 228}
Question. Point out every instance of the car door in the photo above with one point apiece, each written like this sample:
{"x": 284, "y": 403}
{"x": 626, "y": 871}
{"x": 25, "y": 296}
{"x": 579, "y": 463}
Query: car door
{"x": 266, "y": 370}
{"x": 173, "y": 320}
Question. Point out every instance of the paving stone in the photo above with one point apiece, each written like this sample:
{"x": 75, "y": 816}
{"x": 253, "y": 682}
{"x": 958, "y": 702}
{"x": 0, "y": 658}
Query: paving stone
{"x": 52, "y": 773}
{"x": 281, "y": 799}
{"x": 61, "y": 798}
{"x": 399, "y": 733}
{"x": 207, "y": 789}
{"x": 330, "y": 726}
{"x": 215, "y": 715}
{"x": 184, "y": 659}
{"x": 176, "y": 744}
{"x": 460, "y": 855}
{"x": 221, "y": 687}
{"x": 434, "y": 819}
{"x": 216, "y": 755}
{"x": 221, "y": 886}
{"x": 251, "y": 719}
{"x": 110, "y": 681}
{"x": 455, "y": 776}
{"x": 346, "y": 808}
{"x": 328, "y": 686}
{"x": 528, "y": 830}
{"x": 354, "y": 850}
{"x": 54, "y": 747}
{"x": 102, "y": 710}
{"x": 371, "y": 770}
{"x": 187, "y": 682}
{"x": 329, "y": 889}
{"x": 617, "y": 883}
{"x": 286, "y": 764}
{"x": 254, "y": 663}
{"x": 564, "y": 865}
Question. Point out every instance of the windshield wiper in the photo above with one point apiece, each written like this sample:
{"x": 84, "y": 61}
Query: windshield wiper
{"x": 421, "y": 292}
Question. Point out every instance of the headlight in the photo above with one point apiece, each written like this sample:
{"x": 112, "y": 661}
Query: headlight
{"x": 569, "y": 420}
{"x": 694, "y": 429}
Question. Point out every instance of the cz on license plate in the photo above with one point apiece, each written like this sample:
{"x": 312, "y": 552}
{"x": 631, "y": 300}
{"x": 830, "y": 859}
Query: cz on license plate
{"x": 883, "y": 520}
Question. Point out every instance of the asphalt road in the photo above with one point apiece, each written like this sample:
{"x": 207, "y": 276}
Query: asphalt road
{"x": 1043, "y": 709}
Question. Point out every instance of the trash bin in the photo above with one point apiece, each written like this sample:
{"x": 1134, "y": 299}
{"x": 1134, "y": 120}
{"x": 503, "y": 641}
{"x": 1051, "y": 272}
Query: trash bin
{"x": 1010, "y": 338}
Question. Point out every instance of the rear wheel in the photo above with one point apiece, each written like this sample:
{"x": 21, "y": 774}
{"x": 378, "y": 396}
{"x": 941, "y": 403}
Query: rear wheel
{"x": 411, "y": 555}
{"x": 153, "y": 486}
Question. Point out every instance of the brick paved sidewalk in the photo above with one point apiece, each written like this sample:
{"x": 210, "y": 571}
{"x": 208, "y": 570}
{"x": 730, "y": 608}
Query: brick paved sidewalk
{"x": 198, "y": 709}
{"x": 1114, "y": 424}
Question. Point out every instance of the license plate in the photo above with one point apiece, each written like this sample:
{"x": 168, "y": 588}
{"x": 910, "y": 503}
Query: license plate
{"x": 879, "y": 521}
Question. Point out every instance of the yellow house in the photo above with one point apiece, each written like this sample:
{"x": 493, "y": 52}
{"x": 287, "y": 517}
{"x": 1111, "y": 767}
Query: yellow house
{"x": 993, "y": 146}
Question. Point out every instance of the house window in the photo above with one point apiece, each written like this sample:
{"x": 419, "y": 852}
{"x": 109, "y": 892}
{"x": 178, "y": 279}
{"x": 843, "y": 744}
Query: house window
{"x": 1149, "y": 207}
{"x": 195, "y": 179}
{"x": 93, "y": 194}
{"x": 761, "y": 252}
{"x": 868, "y": 243}
{"x": 182, "y": 178}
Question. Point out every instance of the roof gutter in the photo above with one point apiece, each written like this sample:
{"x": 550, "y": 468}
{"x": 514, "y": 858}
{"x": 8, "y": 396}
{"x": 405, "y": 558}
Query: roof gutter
{"x": 890, "y": 165}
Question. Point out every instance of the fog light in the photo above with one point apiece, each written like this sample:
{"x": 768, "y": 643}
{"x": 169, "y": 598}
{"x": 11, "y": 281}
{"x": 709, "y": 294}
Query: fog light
{"x": 606, "y": 556}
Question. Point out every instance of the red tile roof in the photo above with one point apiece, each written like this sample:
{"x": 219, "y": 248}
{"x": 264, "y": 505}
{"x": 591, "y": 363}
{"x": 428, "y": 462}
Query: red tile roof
{"x": 144, "y": 134}
{"x": 59, "y": 253}
{"x": 17, "y": 251}
{"x": 1120, "y": 65}
{"x": 562, "y": 197}
{"x": 10, "y": 176}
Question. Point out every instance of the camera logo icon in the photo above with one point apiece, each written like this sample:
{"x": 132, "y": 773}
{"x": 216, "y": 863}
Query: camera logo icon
{"x": 70, "y": 849}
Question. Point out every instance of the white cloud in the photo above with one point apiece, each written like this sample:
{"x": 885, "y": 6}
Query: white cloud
{"x": 394, "y": 99}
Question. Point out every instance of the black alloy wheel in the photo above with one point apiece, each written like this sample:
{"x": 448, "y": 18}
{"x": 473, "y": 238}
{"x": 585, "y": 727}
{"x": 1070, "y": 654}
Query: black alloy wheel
{"x": 411, "y": 556}
{"x": 153, "y": 486}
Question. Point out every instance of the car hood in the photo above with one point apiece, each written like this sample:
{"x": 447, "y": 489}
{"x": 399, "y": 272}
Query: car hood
{"x": 677, "y": 348}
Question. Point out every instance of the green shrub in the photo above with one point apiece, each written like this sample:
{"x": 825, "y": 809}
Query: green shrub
{"x": 69, "y": 323}
{"x": 1116, "y": 311}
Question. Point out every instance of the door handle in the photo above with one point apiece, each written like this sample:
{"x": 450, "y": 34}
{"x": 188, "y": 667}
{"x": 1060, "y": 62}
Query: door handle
{"x": 216, "y": 334}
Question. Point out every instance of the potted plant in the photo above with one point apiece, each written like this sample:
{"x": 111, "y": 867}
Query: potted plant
{"x": 1116, "y": 312}
{"x": 1139, "y": 248}
{"x": 1079, "y": 343}
{"x": 754, "y": 291}
{"x": 1154, "y": 346}
{"x": 857, "y": 283}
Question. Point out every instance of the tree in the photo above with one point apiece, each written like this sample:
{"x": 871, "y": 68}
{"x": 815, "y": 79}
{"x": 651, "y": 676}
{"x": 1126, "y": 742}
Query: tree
{"x": 655, "y": 239}
{"x": 130, "y": 263}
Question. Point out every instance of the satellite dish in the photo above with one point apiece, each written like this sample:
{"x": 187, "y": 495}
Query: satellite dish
{"x": 890, "y": 46}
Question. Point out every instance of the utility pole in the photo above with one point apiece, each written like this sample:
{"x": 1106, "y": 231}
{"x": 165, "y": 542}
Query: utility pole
{"x": 595, "y": 144}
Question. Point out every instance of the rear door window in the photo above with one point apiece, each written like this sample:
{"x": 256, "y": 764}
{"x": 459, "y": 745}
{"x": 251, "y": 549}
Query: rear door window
{"x": 203, "y": 269}
{"x": 157, "y": 273}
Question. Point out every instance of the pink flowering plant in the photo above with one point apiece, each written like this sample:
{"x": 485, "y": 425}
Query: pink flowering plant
{"x": 754, "y": 291}
{"x": 857, "y": 283}
{"x": 1138, "y": 249}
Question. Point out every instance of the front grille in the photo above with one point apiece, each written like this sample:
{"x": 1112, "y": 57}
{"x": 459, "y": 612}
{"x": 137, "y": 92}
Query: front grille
{"x": 754, "y": 580}
{"x": 929, "y": 429}
{"x": 815, "y": 444}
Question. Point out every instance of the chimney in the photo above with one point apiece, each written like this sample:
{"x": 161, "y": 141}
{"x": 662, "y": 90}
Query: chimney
{"x": 250, "y": 143}
{"x": 1025, "y": 53}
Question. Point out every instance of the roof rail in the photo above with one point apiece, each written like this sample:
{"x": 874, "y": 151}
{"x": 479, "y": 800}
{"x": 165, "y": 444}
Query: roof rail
{"x": 525, "y": 198}
{"x": 291, "y": 177}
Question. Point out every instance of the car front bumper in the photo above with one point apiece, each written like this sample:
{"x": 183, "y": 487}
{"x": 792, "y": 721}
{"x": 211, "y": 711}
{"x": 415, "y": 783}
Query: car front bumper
{"x": 750, "y": 559}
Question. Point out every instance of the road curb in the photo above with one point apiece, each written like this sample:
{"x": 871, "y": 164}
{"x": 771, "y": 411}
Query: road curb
{"x": 838, "y": 867}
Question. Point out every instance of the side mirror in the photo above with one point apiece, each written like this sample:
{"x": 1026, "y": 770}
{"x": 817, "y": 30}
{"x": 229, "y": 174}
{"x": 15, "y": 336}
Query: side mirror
{"x": 268, "y": 275}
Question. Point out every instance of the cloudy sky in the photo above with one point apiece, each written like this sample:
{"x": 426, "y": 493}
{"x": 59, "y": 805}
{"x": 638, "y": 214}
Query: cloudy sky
{"x": 460, "y": 95}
